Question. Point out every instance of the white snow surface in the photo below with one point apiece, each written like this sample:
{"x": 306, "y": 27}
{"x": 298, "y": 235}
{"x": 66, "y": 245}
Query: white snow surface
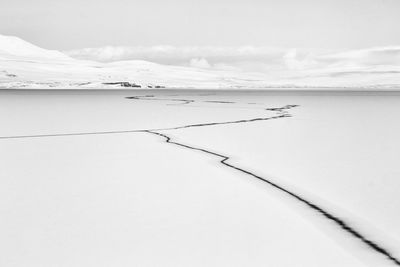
{"x": 11, "y": 45}
{"x": 131, "y": 199}
{"x": 24, "y": 65}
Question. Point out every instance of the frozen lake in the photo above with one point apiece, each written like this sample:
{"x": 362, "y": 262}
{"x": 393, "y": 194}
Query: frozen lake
{"x": 248, "y": 178}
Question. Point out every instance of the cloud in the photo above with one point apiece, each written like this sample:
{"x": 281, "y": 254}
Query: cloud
{"x": 175, "y": 55}
{"x": 294, "y": 61}
{"x": 249, "y": 58}
{"x": 365, "y": 57}
{"x": 199, "y": 63}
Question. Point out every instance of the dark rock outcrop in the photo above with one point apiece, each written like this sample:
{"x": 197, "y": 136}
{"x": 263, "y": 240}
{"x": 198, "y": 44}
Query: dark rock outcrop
{"x": 124, "y": 84}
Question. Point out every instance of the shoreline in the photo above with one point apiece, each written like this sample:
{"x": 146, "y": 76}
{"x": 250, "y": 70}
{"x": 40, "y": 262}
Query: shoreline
{"x": 208, "y": 90}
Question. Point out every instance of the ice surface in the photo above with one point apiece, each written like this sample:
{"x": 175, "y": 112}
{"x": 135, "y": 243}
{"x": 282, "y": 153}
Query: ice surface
{"x": 130, "y": 199}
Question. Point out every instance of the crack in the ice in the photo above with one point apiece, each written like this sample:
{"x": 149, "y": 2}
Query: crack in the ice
{"x": 225, "y": 122}
{"x": 151, "y": 97}
{"x": 281, "y": 112}
{"x": 184, "y": 101}
{"x": 145, "y": 130}
{"x": 341, "y": 223}
{"x": 219, "y": 102}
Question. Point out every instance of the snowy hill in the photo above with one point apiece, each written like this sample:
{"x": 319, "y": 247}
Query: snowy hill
{"x": 10, "y": 45}
{"x": 24, "y": 65}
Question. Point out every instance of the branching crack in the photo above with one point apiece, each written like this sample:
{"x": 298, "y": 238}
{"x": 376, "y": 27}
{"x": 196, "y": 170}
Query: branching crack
{"x": 280, "y": 112}
{"x": 327, "y": 215}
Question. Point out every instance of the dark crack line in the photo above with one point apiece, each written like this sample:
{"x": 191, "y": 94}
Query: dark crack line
{"x": 339, "y": 222}
{"x": 145, "y": 130}
{"x": 219, "y": 102}
{"x": 184, "y": 101}
{"x": 225, "y": 123}
{"x": 151, "y": 98}
{"x": 280, "y": 110}
{"x": 281, "y": 113}
{"x": 71, "y": 134}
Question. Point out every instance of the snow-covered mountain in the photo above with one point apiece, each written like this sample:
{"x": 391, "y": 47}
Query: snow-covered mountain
{"x": 11, "y": 45}
{"x": 24, "y": 65}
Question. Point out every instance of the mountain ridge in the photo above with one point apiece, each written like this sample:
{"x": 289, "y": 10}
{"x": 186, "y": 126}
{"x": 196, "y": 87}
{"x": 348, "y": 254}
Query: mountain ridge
{"x": 24, "y": 65}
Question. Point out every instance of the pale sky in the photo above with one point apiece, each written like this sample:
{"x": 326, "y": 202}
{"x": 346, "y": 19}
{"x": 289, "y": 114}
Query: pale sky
{"x": 333, "y": 24}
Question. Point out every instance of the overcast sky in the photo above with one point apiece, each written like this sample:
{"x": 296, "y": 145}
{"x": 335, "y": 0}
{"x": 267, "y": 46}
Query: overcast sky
{"x": 72, "y": 24}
